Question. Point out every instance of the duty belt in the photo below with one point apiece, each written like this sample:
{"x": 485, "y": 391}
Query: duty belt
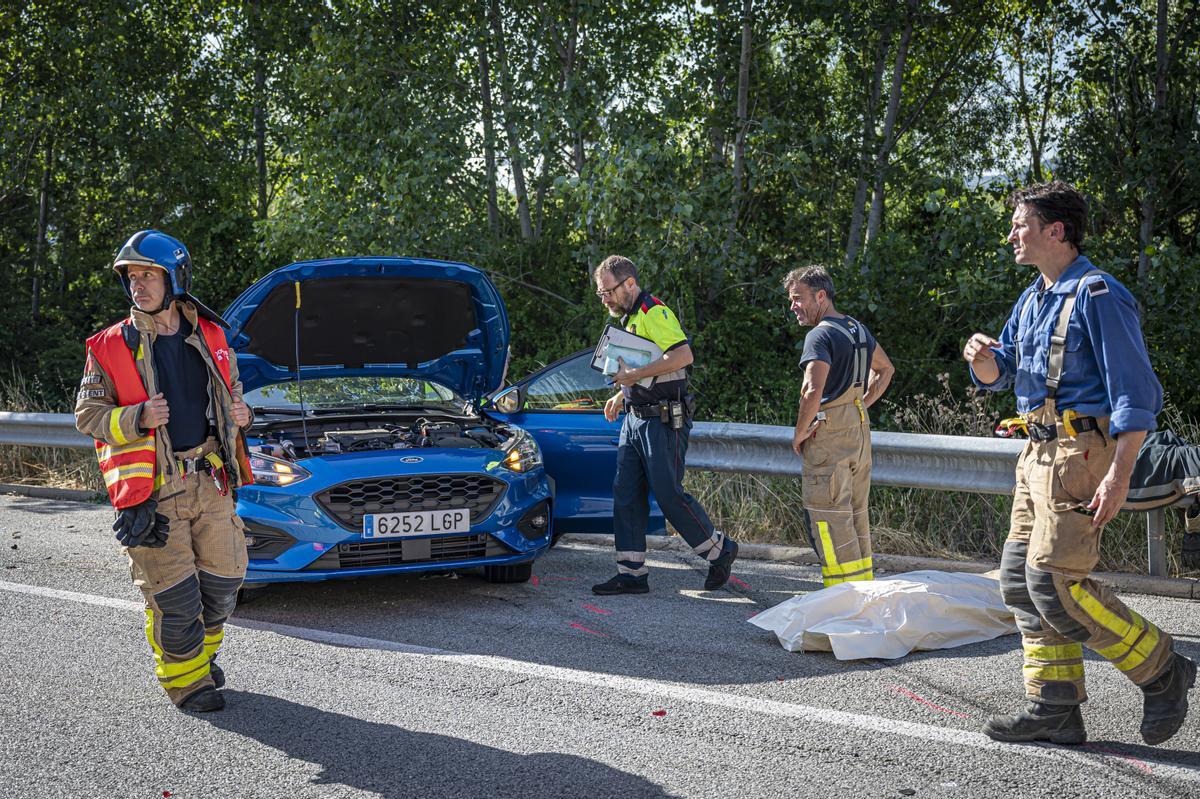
{"x": 1049, "y": 432}
{"x": 662, "y": 409}
{"x": 650, "y": 411}
{"x": 193, "y": 465}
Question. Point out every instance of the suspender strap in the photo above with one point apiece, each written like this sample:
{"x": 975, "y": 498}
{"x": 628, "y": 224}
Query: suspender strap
{"x": 1058, "y": 339}
{"x": 862, "y": 364}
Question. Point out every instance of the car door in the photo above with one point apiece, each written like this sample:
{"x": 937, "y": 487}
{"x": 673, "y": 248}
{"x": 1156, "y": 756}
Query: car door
{"x": 562, "y": 406}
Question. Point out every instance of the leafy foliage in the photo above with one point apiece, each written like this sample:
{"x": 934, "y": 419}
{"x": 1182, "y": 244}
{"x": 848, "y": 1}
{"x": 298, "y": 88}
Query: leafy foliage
{"x": 625, "y": 121}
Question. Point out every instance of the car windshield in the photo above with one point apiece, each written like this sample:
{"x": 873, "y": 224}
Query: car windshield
{"x": 354, "y": 393}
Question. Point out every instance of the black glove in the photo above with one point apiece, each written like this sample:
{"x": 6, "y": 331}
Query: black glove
{"x": 1189, "y": 554}
{"x": 141, "y": 525}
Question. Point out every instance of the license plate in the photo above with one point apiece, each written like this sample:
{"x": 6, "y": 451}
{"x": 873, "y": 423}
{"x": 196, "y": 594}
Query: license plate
{"x": 422, "y": 522}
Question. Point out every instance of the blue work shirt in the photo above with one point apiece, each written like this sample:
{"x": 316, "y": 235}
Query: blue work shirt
{"x": 1106, "y": 370}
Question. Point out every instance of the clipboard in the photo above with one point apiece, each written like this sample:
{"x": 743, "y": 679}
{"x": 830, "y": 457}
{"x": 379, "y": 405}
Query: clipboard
{"x": 633, "y": 349}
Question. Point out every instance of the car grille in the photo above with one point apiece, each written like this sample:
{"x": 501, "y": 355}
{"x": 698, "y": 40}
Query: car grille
{"x": 349, "y": 502}
{"x": 397, "y": 552}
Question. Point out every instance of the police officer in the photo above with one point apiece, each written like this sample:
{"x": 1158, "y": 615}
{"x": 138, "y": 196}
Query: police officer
{"x": 654, "y": 438}
{"x": 161, "y": 397}
{"x": 845, "y": 371}
{"x": 1073, "y": 351}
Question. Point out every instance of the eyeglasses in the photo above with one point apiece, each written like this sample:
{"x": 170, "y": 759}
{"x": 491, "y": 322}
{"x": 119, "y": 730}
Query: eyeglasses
{"x": 605, "y": 292}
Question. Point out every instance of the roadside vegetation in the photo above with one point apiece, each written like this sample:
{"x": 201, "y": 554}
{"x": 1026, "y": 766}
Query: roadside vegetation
{"x": 904, "y": 521}
{"x": 757, "y": 508}
{"x": 717, "y": 144}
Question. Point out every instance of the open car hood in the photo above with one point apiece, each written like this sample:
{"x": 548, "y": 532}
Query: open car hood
{"x": 396, "y": 317}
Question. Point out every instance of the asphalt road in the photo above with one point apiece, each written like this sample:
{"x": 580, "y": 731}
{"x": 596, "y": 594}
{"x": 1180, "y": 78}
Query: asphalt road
{"x": 439, "y": 687}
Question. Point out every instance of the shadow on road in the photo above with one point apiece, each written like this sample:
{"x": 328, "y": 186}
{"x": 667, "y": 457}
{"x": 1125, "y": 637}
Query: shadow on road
{"x": 395, "y": 762}
{"x": 676, "y": 633}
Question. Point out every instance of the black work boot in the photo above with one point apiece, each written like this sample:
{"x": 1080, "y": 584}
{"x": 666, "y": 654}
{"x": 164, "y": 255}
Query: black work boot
{"x": 218, "y": 675}
{"x": 1166, "y": 700}
{"x": 1059, "y": 724}
{"x": 203, "y": 701}
{"x": 720, "y": 569}
{"x": 623, "y": 584}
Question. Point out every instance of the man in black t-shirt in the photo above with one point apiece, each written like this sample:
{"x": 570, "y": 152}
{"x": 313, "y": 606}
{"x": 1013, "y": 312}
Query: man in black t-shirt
{"x": 845, "y": 371}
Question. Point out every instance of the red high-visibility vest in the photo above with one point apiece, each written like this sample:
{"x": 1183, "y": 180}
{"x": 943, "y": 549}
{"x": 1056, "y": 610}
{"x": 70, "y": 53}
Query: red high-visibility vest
{"x": 128, "y": 465}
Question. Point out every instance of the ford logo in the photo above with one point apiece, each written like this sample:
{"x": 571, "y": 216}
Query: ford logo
{"x": 411, "y": 459}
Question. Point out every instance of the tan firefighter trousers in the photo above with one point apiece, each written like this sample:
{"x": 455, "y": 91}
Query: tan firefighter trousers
{"x": 1050, "y": 551}
{"x": 836, "y": 484}
{"x": 190, "y": 585}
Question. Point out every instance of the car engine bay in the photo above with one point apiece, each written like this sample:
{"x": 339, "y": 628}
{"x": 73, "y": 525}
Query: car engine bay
{"x": 287, "y": 439}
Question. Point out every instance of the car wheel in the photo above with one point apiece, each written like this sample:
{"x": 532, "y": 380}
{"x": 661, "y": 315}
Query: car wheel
{"x": 519, "y": 573}
{"x": 249, "y": 592}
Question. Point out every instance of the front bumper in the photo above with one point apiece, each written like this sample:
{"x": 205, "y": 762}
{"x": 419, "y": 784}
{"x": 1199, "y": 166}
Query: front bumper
{"x": 311, "y": 546}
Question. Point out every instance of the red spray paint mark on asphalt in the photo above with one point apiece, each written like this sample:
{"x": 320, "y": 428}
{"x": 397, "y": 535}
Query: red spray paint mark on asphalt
{"x": 595, "y": 609}
{"x": 534, "y": 579}
{"x": 660, "y": 712}
{"x": 579, "y": 626}
{"x": 1106, "y": 751}
{"x": 738, "y": 582}
{"x": 926, "y": 702}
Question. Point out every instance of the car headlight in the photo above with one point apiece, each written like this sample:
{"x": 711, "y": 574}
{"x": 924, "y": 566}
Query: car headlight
{"x": 275, "y": 472}
{"x": 522, "y": 453}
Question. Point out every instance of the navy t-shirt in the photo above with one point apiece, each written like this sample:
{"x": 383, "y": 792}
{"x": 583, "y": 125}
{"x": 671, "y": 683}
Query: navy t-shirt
{"x": 835, "y": 349}
{"x": 183, "y": 380}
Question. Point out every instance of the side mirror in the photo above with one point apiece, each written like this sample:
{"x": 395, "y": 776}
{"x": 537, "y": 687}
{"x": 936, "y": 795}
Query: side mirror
{"x": 508, "y": 400}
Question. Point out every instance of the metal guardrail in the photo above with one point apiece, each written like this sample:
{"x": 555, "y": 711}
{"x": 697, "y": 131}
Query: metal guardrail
{"x": 941, "y": 463}
{"x": 906, "y": 460}
{"x": 41, "y": 430}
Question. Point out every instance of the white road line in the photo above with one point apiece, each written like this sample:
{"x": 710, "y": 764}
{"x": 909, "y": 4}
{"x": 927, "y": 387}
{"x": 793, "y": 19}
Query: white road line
{"x": 659, "y": 690}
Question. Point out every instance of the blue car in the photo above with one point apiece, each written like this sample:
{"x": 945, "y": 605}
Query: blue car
{"x": 562, "y": 406}
{"x": 370, "y": 450}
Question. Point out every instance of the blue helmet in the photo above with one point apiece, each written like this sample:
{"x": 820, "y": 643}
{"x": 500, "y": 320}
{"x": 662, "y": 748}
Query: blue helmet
{"x": 157, "y": 249}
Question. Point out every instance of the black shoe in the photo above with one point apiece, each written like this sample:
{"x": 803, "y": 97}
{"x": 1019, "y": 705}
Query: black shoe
{"x": 720, "y": 569}
{"x": 1166, "y": 703}
{"x": 1059, "y": 724}
{"x": 218, "y": 675}
{"x": 623, "y": 584}
{"x": 205, "y": 700}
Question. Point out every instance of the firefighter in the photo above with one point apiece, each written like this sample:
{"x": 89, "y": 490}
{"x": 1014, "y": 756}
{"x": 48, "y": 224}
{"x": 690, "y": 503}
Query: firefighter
{"x": 654, "y": 438}
{"x": 845, "y": 372}
{"x": 1072, "y": 349}
{"x": 161, "y": 397}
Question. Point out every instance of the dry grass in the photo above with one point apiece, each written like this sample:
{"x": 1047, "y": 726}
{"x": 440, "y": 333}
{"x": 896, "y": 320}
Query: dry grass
{"x": 46, "y": 466}
{"x": 906, "y": 521}
{"x": 752, "y": 507}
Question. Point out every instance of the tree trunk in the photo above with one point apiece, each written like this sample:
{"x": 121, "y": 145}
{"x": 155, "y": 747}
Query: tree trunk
{"x": 1047, "y": 95}
{"x": 510, "y": 125}
{"x": 1024, "y": 111}
{"x": 260, "y": 111}
{"x": 739, "y": 143}
{"x": 1150, "y": 194}
{"x": 39, "y": 248}
{"x": 889, "y": 126}
{"x": 489, "y": 138}
{"x": 568, "y": 54}
{"x": 868, "y": 142}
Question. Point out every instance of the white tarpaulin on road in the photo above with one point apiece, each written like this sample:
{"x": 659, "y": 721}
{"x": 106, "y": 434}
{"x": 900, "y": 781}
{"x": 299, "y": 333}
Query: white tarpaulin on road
{"x": 890, "y": 618}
